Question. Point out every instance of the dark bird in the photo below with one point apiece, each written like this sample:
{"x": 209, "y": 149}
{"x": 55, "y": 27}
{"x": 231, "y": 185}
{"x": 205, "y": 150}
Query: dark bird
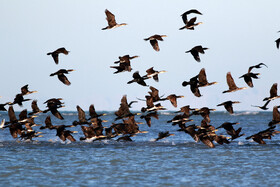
{"x": 61, "y": 75}
{"x": 64, "y": 134}
{"x": 173, "y": 99}
{"x": 90, "y": 134}
{"x": 81, "y": 116}
{"x": 162, "y": 135}
{"x": 202, "y": 79}
{"x": 193, "y": 85}
{"x": 273, "y": 93}
{"x": 248, "y": 78}
{"x": 275, "y": 116}
{"x": 122, "y": 68}
{"x": 19, "y": 99}
{"x": 185, "y": 14}
{"x": 265, "y": 134}
{"x": 191, "y": 130}
{"x": 148, "y": 117}
{"x": 111, "y": 21}
{"x": 231, "y": 84}
{"x": 48, "y": 123}
{"x": 228, "y": 105}
{"x": 151, "y": 106}
{"x": 196, "y": 50}
{"x": 2, "y": 106}
{"x": 231, "y": 131}
{"x": 53, "y": 104}
{"x": 35, "y": 108}
{"x": 204, "y": 112}
{"x": 125, "y": 59}
{"x": 205, "y": 138}
{"x": 25, "y": 91}
{"x": 155, "y": 94}
{"x": 57, "y": 52}
{"x": 190, "y": 24}
{"x": 256, "y": 66}
{"x": 138, "y": 79}
{"x": 186, "y": 110}
{"x": 154, "y": 40}
{"x": 264, "y": 107}
{"x": 277, "y": 43}
{"x": 93, "y": 113}
{"x": 151, "y": 73}
{"x": 123, "y": 111}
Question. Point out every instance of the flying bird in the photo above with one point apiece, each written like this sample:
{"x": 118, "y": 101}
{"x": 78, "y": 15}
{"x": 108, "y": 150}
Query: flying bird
{"x": 111, "y": 21}
{"x": 277, "y": 43}
{"x": 138, "y": 79}
{"x": 196, "y": 50}
{"x": 162, "y": 135}
{"x": 57, "y": 52}
{"x": 25, "y": 90}
{"x": 151, "y": 73}
{"x": 228, "y": 105}
{"x": 248, "y": 78}
{"x": 154, "y": 40}
{"x": 256, "y": 66}
{"x": 202, "y": 79}
{"x": 231, "y": 84}
{"x": 61, "y": 75}
{"x": 193, "y": 85}
{"x": 264, "y": 107}
{"x": 273, "y": 93}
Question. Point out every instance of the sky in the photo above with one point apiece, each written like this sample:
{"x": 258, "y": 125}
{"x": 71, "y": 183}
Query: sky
{"x": 238, "y": 34}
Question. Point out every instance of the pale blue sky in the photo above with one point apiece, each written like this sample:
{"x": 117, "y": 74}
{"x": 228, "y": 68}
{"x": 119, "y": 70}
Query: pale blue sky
{"x": 238, "y": 33}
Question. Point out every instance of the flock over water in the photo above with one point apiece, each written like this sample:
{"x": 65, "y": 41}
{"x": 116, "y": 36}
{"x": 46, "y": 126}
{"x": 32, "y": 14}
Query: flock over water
{"x": 124, "y": 126}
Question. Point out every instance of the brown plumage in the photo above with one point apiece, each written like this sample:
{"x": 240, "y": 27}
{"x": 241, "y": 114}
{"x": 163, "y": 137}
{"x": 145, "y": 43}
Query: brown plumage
{"x": 19, "y": 99}
{"x": 57, "y": 52}
{"x": 231, "y": 84}
{"x": 230, "y": 130}
{"x": 153, "y": 73}
{"x": 111, "y": 21}
{"x": 25, "y": 91}
{"x": 35, "y": 108}
{"x": 123, "y": 109}
{"x": 273, "y": 93}
{"x": 265, "y": 134}
{"x": 154, "y": 41}
{"x": 202, "y": 79}
{"x": 173, "y": 99}
{"x": 275, "y": 116}
{"x": 148, "y": 117}
{"x": 61, "y": 75}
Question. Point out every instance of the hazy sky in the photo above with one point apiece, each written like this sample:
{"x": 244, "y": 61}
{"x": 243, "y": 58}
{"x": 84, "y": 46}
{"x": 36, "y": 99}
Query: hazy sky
{"x": 238, "y": 34}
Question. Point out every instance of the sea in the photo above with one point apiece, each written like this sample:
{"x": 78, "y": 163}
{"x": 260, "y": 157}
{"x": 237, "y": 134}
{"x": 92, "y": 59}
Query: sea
{"x": 174, "y": 161}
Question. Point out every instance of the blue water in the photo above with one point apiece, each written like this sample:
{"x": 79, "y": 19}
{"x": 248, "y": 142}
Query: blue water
{"x": 174, "y": 161}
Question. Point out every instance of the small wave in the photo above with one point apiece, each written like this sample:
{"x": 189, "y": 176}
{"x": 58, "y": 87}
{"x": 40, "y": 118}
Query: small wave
{"x": 69, "y": 114}
{"x": 245, "y": 113}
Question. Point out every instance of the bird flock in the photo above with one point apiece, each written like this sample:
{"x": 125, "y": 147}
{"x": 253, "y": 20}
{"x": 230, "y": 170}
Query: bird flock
{"x": 124, "y": 125}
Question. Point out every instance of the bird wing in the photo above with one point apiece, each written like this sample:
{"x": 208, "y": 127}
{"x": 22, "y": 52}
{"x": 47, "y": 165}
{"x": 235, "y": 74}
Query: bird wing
{"x": 62, "y": 50}
{"x": 55, "y": 57}
{"x": 202, "y": 77}
{"x": 81, "y": 114}
{"x": 195, "y": 90}
{"x": 273, "y": 90}
{"x": 57, "y": 114}
{"x": 195, "y": 55}
{"x": 228, "y": 107}
{"x": 24, "y": 89}
{"x": 230, "y": 82}
{"x": 92, "y": 111}
{"x": 110, "y": 18}
{"x": 277, "y": 43}
{"x": 63, "y": 79}
{"x": 154, "y": 43}
{"x": 11, "y": 114}
{"x": 150, "y": 71}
